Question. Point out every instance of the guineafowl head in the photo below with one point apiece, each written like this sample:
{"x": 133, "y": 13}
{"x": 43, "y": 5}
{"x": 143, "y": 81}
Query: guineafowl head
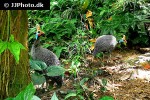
{"x": 38, "y": 32}
{"x": 123, "y": 40}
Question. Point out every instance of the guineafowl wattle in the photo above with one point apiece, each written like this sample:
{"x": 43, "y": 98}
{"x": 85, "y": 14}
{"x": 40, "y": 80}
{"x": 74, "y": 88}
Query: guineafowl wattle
{"x": 47, "y": 56}
{"x": 105, "y": 43}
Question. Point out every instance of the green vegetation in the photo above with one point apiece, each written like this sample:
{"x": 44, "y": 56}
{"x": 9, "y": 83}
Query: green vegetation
{"x": 14, "y": 61}
{"x": 69, "y": 25}
{"x": 13, "y": 46}
{"x": 26, "y": 94}
{"x": 64, "y": 24}
{"x": 41, "y": 69}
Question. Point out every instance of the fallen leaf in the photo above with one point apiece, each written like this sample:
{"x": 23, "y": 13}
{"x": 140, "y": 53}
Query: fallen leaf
{"x": 88, "y": 13}
{"x": 110, "y": 18}
{"x": 92, "y": 47}
{"x": 147, "y": 66}
{"x": 126, "y": 76}
{"x": 92, "y": 40}
{"x": 91, "y": 22}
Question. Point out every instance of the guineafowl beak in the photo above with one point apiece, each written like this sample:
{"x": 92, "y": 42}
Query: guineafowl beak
{"x": 123, "y": 40}
{"x": 41, "y": 34}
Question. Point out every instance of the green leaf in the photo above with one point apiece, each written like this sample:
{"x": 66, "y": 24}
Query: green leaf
{"x": 37, "y": 65}
{"x": 26, "y": 94}
{"x": 55, "y": 71}
{"x": 81, "y": 97}
{"x": 106, "y": 98}
{"x": 3, "y": 46}
{"x": 59, "y": 50}
{"x": 70, "y": 95}
{"x": 9, "y": 99}
{"x": 83, "y": 81}
{"x": 85, "y": 4}
{"x": 11, "y": 38}
{"x": 84, "y": 87}
{"x": 99, "y": 55}
{"x": 79, "y": 91}
{"x": 35, "y": 98}
{"x": 103, "y": 89}
{"x": 54, "y": 97}
{"x": 14, "y": 48}
{"x": 104, "y": 82}
{"x": 37, "y": 79}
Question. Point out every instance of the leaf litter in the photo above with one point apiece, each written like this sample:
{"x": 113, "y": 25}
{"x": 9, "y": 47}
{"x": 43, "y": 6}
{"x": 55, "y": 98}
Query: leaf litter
{"x": 127, "y": 78}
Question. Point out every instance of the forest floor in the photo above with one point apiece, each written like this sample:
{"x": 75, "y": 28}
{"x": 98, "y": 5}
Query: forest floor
{"x": 126, "y": 74}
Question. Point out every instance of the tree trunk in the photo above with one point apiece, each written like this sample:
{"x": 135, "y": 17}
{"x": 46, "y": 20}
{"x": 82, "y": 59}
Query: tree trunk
{"x": 14, "y": 77}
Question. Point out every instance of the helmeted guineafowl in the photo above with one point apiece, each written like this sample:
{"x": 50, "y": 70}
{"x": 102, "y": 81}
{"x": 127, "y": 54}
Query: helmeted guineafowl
{"x": 106, "y": 43}
{"x": 45, "y": 55}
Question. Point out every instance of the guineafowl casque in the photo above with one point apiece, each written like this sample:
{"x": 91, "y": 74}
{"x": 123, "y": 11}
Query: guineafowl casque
{"x": 45, "y": 55}
{"x": 106, "y": 43}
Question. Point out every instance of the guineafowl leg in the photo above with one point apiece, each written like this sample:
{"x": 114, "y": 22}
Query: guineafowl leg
{"x": 58, "y": 81}
{"x": 49, "y": 82}
{"x": 109, "y": 59}
{"x": 101, "y": 59}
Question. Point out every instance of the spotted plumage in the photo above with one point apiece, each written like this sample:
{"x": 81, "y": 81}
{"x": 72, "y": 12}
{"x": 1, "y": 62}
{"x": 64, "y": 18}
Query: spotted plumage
{"x": 47, "y": 56}
{"x": 105, "y": 43}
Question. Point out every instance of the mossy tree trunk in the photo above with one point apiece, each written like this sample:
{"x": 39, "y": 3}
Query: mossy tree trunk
{"x": 14, "y": 77}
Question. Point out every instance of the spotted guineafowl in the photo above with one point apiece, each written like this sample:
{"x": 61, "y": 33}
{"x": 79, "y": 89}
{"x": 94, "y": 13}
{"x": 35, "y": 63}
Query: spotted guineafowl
{"x": 106, "y": 43}
{"x": 45, "y": 55}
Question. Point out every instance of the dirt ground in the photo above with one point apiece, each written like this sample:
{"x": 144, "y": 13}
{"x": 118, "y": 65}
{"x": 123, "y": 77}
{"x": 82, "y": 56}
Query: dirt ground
{"x": 127, "y": 78}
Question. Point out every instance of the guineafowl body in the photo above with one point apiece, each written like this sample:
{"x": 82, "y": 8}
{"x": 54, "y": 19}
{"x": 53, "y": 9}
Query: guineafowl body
{"x": 105, "y": 43}
{"x": 45, "y": 55}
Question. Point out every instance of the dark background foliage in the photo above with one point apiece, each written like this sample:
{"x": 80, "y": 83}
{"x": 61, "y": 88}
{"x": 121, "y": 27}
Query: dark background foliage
{"x": 64, "y": 24}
